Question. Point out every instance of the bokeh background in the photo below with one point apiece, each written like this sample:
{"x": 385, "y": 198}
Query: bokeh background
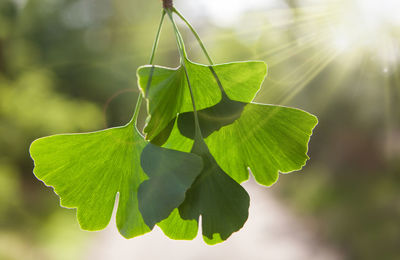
{"x": 69, "y": 66}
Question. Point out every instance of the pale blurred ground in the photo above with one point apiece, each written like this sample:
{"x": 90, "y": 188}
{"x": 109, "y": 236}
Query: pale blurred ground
{"x": 272, "y": 232}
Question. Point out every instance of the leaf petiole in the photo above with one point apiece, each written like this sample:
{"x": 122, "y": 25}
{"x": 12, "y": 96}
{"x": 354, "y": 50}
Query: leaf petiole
{"x": 196, "y": 35}
{"x": 182, "y": 53}
{"x": 179, "y": 39}
{"x": 153, "y": 51}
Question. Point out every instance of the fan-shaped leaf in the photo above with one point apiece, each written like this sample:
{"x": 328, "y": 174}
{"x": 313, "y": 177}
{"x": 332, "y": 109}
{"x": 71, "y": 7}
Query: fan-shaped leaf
{"x": 171, "y": 173}
{"x": 266, "y": 138}
{"x": 87, "y": 170}
{"x": 221, "y": 201}
{"x": 168, "y": 93}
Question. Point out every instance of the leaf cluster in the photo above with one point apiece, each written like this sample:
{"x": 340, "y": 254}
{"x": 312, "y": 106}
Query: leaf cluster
{"x": 203, "y": 135}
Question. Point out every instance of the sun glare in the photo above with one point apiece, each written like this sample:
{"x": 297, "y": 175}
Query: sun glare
{"x": 300, "y": 41}
{"x": 358, "y": 25}
{"x": 368, "y": 26}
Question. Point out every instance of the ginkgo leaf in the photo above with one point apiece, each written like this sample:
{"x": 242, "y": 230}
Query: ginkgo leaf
{"x": 87, "y": 170}
{"x": 168, "y": 92}
{"x": 213, "y": 149}
{"x": 219, "y": 199}
{"x": 171, "y": 173}
{"x": 266, "y": 138}
{"x": 222, "y": 203}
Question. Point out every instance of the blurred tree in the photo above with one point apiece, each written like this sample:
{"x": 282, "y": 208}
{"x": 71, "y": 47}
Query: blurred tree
{"x": 69, "y": 66}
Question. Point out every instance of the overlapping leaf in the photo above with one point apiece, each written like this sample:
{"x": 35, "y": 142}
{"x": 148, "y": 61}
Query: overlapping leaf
{"x": 171, "y": 173}
{"x": 221, "y": 201}
{"x": 201, "y": 176}
{"x": 168, "y": 94}
{"x": 267, "y": 139}
{"x": 87, "y": 171}
{"x": 240, "y": 135}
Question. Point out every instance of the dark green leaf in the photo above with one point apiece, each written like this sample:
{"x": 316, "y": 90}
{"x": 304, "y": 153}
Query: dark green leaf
{"x": 171, "y": 173}
{"x": 221, "y": 201}
{"x": 212, "y": 118}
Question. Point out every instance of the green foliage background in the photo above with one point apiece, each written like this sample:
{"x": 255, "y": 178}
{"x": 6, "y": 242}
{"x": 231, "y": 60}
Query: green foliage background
{"x": 64, "y": 65}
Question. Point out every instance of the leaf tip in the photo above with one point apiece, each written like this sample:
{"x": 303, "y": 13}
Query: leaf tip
{"x": 216, "y": 239}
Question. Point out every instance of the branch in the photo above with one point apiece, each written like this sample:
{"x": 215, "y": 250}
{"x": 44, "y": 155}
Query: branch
{"x": 167, "y": 4}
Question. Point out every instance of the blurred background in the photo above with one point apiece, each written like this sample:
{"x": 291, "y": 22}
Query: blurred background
{"x": 69, "y": 66}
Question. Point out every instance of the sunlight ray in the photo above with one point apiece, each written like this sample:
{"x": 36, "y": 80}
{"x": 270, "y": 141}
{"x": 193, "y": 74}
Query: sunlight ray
{"x": 317, "y": 69}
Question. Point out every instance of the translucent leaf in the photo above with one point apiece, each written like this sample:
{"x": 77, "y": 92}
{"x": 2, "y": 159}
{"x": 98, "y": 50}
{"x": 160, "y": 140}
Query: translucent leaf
{"x": 168, "y": 93}
{"x": 266, "y": 138}
{"x": 87, "y": 170}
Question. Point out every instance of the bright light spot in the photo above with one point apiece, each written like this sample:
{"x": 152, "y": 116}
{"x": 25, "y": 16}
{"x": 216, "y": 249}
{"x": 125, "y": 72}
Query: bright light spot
{"x": 368, "y": 26}
{"x": 356, "y": 27}
{"x": 379, "y": 13}
{"x": 341, "y": 41}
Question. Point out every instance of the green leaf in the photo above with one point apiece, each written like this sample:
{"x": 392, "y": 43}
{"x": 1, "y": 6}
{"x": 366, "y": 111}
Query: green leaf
{"x": 267, "y": 139}
{"x": 171, "y": 173}
{"x": 87, "y": 170}
{"x": 221, "y": 201}
{"x": 168, "y": 93}
{"x": 177, "y": 228}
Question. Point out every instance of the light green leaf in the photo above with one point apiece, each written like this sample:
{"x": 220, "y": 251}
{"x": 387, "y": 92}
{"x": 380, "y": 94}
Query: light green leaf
{"x": 177, "y": 228}
{"x": 87, "y": 170}
{"x": 168, "y": 93}
{"x": 171, "y": 173}
{"x": 267, "y": 139}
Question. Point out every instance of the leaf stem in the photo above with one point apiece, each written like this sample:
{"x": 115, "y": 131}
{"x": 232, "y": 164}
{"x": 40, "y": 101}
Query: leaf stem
{"x": 179, "y": 39}
{"x": 195, "y": 35}
{"x": 182, "y": 52}
{"x": 153, "y": 51}
{"x": 202, "y": 47}
{"x": 155, "y": 44}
